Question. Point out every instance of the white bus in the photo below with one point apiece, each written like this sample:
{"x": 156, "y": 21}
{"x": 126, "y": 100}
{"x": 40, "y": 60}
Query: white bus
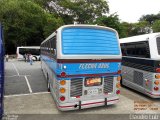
{"x": 141, "y": 63}
{"x": 34, "y": 50}
{"x": 82, "y": 66}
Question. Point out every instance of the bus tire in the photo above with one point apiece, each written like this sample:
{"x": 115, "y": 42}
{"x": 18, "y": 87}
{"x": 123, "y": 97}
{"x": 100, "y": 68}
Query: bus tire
{"x": 48, "y": 84}
{"x": 35, "y": 58}
{"x": 121, "y": 81}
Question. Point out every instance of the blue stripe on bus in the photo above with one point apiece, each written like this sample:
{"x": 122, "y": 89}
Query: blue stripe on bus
{"x": 73, "y": 68}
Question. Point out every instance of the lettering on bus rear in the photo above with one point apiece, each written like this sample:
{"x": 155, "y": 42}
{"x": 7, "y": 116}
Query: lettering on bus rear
{"x": 94, "y": 65}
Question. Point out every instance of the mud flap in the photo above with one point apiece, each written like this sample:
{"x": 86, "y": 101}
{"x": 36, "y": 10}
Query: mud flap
{"x": 79, "y": 105}
{"x": 105, "y": 102}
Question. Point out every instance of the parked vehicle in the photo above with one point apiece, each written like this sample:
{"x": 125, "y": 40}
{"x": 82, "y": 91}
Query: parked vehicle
{"x": 141, "y": 63}
{"x": 82, "y": 65}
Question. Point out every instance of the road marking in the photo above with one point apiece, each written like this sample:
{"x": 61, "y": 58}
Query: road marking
{"x": 15, "y": 68}
{"x": 29, "y": 86}
{"x": 17, "y": 76}
{"x": 17, "y": 95}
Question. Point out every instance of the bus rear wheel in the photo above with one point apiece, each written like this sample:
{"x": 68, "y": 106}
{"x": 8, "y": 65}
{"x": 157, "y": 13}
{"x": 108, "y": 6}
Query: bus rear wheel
{"x": 34, "y": 58}
{"x": 48, "y": 85}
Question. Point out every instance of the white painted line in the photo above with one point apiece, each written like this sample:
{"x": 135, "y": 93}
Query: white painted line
{"x": 17, "y": 75}
{"x": 29, "y": 87}
{"x": 18, "y": 95}
{"x": 15, "y": 68}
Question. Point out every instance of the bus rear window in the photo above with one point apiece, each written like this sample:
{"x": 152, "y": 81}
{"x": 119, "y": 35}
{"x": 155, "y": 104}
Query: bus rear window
{"x": 136, "y": 49}
{"x": 80, "y": 41}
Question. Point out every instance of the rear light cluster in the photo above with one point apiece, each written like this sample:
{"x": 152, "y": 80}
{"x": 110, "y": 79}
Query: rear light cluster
{"x": 156, "y": 88}
{"x": 63, "y": 74}
{"x": 157, "y": 76}
{"x": 118, "y": 78}
{"x": 62, "y": 98}
{"x": 118, "y": 92}
{"x": 158, "y": 70}
{"x": 118, "y": 85}
{"x": 62, "y": 90}
{"x": 119, "y": 72}
{"x": 157, "y": 82}
{"x": 62, "y": 82}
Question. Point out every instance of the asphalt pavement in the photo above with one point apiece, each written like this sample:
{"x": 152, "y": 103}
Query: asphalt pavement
{"x": 26, "y": 95}
{"x": 23, "y": 78}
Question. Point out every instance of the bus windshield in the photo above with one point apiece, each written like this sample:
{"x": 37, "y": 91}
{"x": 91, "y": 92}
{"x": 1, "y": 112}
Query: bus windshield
{"x": 82, "y": 41}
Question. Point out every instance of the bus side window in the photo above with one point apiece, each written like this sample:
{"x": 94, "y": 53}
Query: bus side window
{"x": 49, "y": 48}
{"x": 53, "y": 47}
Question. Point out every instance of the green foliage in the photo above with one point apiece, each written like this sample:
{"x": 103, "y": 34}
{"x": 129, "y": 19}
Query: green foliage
{"x": 113, "y": 22}
{"x": 140, "y": 28}
{"x": 126, "y": 29}
{"x": 156, "y": 26}
{"x": 133, "y": 29}
{"x": 51, "y": 24}
{"x": 28, "y": 22}
{"x": 25, "y": 23}
{"x": 151, "y": 18}
{"x": 82, "y": 11}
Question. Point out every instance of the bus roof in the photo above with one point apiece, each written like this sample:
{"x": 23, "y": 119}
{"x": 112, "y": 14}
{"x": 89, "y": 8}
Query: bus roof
{"x": 80, "y": 26}
{"x": 138, "y": 38}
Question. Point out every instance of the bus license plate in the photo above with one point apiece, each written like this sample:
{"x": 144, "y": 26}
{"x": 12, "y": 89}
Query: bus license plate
{"x": 93, "y": 92}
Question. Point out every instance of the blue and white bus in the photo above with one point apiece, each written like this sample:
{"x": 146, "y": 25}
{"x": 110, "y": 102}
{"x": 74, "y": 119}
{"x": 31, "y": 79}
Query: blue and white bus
{"x": 82, "y": 65}
{"x": 1, "y": 71}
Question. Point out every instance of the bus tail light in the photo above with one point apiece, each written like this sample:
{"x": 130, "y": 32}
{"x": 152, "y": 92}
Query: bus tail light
{"x": 118, "y": 78}
{"x": 156, "y": 88}
{"x": 118, "y": 92}
{"x": 63, "y": 74}
{"x": 62, "y": 82}
{"x": 62, "y": 90}
{"x": 62, "y": 98}
{"x": 158, "y": 70}
{"x": 119, "y": 72}
{"x": 156, "y": 82}
{"x": 157, "y": 76}
{"x": 118, "y": 85}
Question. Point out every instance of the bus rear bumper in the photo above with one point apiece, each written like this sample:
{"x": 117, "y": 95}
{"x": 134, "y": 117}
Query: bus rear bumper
{"x": 153, "y": 95}
{"x": 88, "y": 104}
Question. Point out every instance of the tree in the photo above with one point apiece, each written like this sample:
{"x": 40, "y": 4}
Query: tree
{"x": 140, "y": 28}
{"x": 126, "y": 29}
{"x": 156, "y": 26}
{"x": 113, "y": 22}
{"x": 82, "y": 11}
{"x": 51, "y": 24}
{"x": 25, "y": 23}
{"x": 151, "y": 18}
